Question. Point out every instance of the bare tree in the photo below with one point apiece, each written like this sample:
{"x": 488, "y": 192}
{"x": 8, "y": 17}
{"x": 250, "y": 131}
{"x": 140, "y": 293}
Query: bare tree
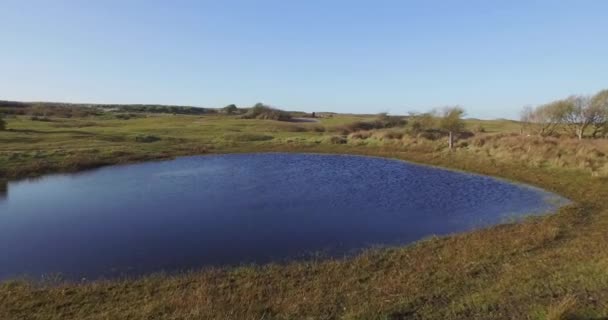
{"x": 600, "y": 103}
{"x": 579, "y": 113}
{"x": 546, "y": 119}
{"x": 527, "y": 118}
{"x": 576, "y": 114}
{"x": 451, "y": 121}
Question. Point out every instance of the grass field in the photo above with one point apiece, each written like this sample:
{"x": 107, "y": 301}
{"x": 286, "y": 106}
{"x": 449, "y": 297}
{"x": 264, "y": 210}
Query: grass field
{"x": 552, "y": 267}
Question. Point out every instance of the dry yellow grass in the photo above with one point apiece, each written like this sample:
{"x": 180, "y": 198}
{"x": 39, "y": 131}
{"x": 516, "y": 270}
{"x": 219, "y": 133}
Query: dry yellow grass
{"x": 511, "y": 271}
{"x": 563, "y": 309}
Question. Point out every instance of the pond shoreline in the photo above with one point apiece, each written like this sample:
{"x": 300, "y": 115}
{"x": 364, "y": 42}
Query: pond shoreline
{"x": 383, "y": 202}
{"x": 443, "y": 263}
{"x": 332, "y": 150}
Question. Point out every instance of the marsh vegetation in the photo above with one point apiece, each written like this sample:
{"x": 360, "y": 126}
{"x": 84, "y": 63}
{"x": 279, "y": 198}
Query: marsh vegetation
{"x": 543, "y": 267}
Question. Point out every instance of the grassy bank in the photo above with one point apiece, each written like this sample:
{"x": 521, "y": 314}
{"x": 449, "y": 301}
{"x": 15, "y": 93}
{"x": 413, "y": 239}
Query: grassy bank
{"x": 551, "y": 267}
{"x": 34, "y": 147}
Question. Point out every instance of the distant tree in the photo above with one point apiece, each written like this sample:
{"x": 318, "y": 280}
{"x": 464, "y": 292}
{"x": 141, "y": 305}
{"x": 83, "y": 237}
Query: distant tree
{"x": 527, "y": 118}
{"x": 451, "y": 121}
{"x": 230, "y": 109}
{"x": 544, "y": 120}
{"x": 420, "y": 122}
{"x": 264, "y": 112}
{"x": 576, "y": 115}
{"x": 39, "y": 110}
{"x": 384, "y": 120}
{"x": 2, "y": 123}
{"x": 579, "y": 113}
{"x": 600, "y": 103}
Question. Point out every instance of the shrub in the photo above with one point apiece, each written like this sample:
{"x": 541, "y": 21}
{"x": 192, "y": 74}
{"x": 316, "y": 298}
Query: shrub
{"x": 37, "y": 118}
{"x": 387, "y": 121}
{"x": 602, "y": 171}
{"x": 126, "y": 116}
{"x": 478, "y": 141}
{"x": 337, "y": 140}
{"x": 465, "y": 135}
{"x": 419, "y": 122}
{"x": 356, "y": 126}
{"x": 381, "y": 122}
{"x": 230, "y": 109}
{"x": 244, "y": 137}
{"x": 451, "y": 121}
{"x": 318, "y": 129}
{"x": 359, "y": 126}
{"x": 362, "y": 135}
{"x": 146, "y": 138}
{"x": 112, "y": 137}
{"x": 431, "y": 134}
{"x": 462, "y": 144}
{"x": 392, "y": 135}
{"x": 2, "y": 123}
{"x": 261, "y": 111}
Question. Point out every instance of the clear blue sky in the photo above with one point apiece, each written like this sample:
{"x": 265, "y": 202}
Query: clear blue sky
{"x": 492, "y": 57}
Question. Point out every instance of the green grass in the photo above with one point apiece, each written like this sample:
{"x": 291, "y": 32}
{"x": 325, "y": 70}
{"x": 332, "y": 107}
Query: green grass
{"x": 547, "y": 267}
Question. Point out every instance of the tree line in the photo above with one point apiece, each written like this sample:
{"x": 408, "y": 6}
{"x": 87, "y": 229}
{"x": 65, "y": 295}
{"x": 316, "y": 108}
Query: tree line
{"x": 577, "y": 115}
{"x": 60, "y": 109}
{"x": 447, "y": 121}
{"x": 437, "y": 124}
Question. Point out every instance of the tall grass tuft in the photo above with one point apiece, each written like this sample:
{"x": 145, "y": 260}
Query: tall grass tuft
{"x": 562, "y": 310}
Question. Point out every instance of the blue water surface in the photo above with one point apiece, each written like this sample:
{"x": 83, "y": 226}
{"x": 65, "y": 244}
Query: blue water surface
{"x": 241, "y": 208}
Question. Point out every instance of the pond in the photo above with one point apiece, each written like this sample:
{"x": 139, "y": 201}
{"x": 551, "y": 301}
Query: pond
{"x": 235, "y": 209}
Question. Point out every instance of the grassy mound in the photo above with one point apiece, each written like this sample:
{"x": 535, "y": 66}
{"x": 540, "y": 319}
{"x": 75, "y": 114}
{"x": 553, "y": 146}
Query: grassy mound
{"x": 260, "y": 111}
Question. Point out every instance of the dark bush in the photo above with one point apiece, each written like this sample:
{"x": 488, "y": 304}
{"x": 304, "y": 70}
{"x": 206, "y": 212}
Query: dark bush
{"x": 420, "y": 122}
{"x": 245, "y": 137}
{"x": 383, "y": 121}
{"x": 360, "y": 135}
{"x": 465, "y": 134}
{"x": 362, "y": 125}
{"x": 230, "y": 109}
{"x": 318, "y": 129}
{"x": 431, "y": 134}
{"x": 37, "y": 118}
{"x": 337, "y": 140}
{"x": 126, "y": 116}
{"x": 479, "y": 129}
{"x": 386, "y": 121}
{"x": 392, "y": 135}
{"x": 146, "y": 138}
{"x": 261, "y": 111}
